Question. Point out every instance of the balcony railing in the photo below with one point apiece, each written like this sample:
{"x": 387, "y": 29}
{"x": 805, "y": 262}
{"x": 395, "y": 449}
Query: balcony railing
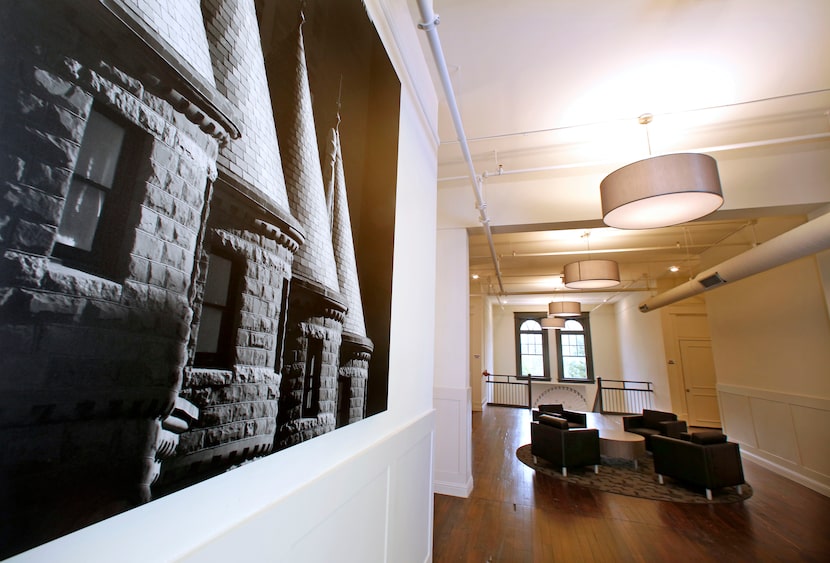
{"x": 615, "y": 396}
{"x": 507, "y": 390}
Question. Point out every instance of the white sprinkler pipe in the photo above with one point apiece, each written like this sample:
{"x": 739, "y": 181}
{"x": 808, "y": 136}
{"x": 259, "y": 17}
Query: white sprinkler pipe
{"x": 429, "y": 21}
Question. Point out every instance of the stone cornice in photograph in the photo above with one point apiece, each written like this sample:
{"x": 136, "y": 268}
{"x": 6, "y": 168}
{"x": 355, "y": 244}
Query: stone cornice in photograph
{"x": 273, "y": 222}
{"x": 144, "y": 54}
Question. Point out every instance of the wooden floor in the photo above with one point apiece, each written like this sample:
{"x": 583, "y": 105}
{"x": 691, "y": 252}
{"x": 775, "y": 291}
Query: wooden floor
{"x": 515, "y": 515}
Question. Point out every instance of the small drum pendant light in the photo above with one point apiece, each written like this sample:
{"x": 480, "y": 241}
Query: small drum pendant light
{"x": 564, "y": 309}
{"x": 591, "y": 274}
{"x": 553, "y": 323}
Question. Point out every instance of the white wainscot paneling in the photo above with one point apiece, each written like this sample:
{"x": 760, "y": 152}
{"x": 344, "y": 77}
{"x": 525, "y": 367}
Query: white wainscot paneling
{"x": 774, "y": 428}
{"x": 813, "y": 445}
{"x": 447, "y": 448}
{"x": 785, "y": 433}
{"x": 366, "y": 537}
{"x": 736, "y": 417}
{"x": 453, "y": 454}
{"x": 344, "y": 514}
{"x": 411, "y": 476}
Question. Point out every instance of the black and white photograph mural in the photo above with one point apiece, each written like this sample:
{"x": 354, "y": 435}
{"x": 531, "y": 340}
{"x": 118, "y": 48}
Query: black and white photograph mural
{"x": 197, "y": 211}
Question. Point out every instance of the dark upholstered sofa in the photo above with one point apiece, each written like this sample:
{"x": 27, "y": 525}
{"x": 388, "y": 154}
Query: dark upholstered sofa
{"x": 703, "y": 458}
{"x": 653, "y": 423}
{"x": 575, "y": 419}
{"x": 554, "y": 441}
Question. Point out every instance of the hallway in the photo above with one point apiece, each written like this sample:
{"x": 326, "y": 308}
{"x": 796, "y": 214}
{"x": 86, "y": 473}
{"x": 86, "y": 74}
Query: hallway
{"x": 516, "y": 515}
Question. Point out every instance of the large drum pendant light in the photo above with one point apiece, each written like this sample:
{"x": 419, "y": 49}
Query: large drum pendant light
{"x": 591, "y": 274}
{"x": 660, "y": 191}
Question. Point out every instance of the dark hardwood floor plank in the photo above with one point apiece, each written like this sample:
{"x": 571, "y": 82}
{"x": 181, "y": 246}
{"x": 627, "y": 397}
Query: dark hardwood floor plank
{"x": 515, "y": 515}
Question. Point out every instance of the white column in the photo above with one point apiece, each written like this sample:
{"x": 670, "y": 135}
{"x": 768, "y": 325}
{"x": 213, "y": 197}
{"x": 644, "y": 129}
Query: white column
{"x": 451, "y": 393}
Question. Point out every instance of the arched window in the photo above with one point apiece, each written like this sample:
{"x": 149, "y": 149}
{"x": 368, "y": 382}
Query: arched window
{"x": 574, "y": 345}
{"x": 531, "y": 346}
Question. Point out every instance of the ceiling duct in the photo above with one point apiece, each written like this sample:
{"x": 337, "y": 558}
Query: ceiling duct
{"x": 804, "y": 240}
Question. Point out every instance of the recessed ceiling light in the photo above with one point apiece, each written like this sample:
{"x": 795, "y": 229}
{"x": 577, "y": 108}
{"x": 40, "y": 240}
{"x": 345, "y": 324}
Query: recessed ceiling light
{"x": 674, "y": 269}
{"x": 475, "y": 276}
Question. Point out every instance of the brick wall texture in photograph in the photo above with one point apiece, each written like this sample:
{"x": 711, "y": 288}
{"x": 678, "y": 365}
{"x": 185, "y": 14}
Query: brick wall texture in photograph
{"x": 107, "y": 397}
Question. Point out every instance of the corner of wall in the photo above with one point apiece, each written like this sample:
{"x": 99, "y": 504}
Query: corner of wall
{"x": 452, "y": 464}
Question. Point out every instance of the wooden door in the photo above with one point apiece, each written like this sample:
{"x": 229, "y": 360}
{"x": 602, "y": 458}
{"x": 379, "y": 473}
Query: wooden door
{"x": 698, "y": 367}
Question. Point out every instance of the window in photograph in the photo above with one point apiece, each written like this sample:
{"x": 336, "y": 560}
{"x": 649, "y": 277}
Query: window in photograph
{"x": 215, "y": 339}
{"x": 98, "y": 203}
{"x": 311, "y": 380}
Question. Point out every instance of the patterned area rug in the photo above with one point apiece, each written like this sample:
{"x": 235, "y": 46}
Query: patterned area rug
{"x": 619, "y": 476}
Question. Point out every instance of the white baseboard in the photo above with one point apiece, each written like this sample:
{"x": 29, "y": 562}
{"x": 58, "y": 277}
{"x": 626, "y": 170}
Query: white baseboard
{"x": 453, "y": 489}
{"x": 784, "y": 471}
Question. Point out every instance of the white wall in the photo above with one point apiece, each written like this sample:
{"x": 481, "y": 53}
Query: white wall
{"x": 626, "y": 344}
{"x": 364, "y": 492}
{"x": 823, "y": 259}
{"x": 452, "y": 391}
{"x": 770, "y": 336}
{"x": 605, "y": 342}
{"x": 478, "y": 360}
{"x": 642, "y": 354}
{"x": 504, "y": 339}
{"x": 488, "y": 342}
{"x": 500, "y": 327}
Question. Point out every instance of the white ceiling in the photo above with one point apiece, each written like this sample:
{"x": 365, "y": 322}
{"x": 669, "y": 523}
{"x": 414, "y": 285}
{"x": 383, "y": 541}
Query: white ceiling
{"x": 550, "y": 91}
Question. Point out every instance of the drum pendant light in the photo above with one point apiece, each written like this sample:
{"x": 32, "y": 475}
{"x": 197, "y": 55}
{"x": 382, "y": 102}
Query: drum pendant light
{"x": 661, "y": 191}
{"x": 564, "y": 309}
{"x": 553, "y": 323}
{"x": 591, "y": 274}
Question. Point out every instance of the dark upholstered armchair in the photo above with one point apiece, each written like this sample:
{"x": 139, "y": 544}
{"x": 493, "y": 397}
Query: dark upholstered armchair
{"x": 705, "y": 459}
{"x": 575, "y": 419}
{"x": 653, "y": 423}
{"x": 552, "y": 440}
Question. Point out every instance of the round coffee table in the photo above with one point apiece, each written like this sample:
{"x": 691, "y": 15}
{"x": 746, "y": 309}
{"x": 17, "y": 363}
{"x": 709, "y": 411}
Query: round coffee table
{"x": 622, "y": 445}
{"x": 613, "y": 440}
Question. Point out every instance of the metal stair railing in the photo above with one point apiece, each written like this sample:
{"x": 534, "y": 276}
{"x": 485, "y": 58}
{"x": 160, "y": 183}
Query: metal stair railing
{"x": 507, "y": 390}
{"x": 618, "y": 396}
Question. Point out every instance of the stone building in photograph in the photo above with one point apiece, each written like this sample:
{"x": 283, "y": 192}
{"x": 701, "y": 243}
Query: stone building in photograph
{"x": 244, "y": 269}
{"x": 355, "y": 347}
{"x": 315, "y": 318}
{"x": 177, "y": 296}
